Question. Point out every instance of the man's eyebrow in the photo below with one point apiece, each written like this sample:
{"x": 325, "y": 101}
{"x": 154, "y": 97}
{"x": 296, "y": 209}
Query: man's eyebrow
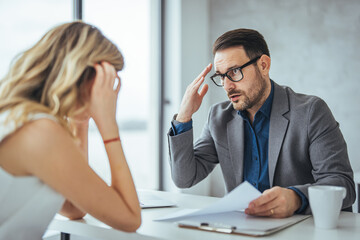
{"x": 229, "y": 68}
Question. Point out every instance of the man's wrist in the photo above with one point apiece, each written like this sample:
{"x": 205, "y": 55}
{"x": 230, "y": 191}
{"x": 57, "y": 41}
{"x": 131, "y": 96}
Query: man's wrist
{"x": 179, "y": 127}
{"x": 297, "y": 201}
{"x": 304, "y": 203}
{"x": 182, "y": 119}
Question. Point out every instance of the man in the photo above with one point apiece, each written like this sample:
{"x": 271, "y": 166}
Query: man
{"x": 280, "y": 141}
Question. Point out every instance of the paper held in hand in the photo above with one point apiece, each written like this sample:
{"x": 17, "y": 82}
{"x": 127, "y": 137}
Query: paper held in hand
{"x": 227, "y": 215}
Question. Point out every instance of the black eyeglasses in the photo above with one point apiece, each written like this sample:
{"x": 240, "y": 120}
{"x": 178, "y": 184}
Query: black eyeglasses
{"x": 234, "y": 74}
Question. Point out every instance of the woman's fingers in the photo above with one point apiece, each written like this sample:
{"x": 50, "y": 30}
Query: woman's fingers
{"x": 110, "y": 73}
{"x": 104, "y": 93}
{"x": 107, "y": 76}
{"x": 117, "y": 87}
{"x": 99, "y": 74}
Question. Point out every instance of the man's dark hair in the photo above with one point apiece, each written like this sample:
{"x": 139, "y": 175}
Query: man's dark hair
{"x": 252, "y": 41}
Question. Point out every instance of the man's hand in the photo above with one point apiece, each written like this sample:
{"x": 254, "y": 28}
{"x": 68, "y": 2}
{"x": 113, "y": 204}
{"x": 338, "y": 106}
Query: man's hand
{"x": 276, "y": 202}
{"x": 193, "y": 97}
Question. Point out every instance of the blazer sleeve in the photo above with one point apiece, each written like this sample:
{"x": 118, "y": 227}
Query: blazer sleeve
{"x": 328, "y": 153}
{"x": 191, "y": 163}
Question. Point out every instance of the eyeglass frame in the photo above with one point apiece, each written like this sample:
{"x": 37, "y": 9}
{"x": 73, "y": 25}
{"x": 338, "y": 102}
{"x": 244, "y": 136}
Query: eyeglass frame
{"x": 240, "y": 69}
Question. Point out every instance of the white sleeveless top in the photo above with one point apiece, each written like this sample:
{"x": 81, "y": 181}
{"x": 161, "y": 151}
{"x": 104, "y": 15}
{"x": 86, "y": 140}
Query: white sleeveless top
{"x": 27, "y": 205}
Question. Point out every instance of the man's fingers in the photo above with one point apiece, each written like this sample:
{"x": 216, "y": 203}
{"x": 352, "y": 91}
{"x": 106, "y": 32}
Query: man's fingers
{"x": 272, "y": 212}
{"x": 266, "y": 197}
{"x": 193, "y": 88}
{"x": 198, "y": 83}
{"x": 262, "y": 210}
{"x": 275, "y": 202}
{"x": 203, "y": 90}
{"x": 203, "y": 73}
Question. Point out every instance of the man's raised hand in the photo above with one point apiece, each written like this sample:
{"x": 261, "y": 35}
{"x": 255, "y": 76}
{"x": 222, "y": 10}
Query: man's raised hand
{"x": 192, "y": 98}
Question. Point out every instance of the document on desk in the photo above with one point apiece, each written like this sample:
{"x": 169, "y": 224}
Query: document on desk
{"x": 237, "y": 200}
{"x": 227, "y": 215}
{"x": 149, "y": 200}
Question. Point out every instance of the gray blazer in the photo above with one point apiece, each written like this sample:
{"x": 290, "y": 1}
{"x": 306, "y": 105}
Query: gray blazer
{"x": 306, "y": 147}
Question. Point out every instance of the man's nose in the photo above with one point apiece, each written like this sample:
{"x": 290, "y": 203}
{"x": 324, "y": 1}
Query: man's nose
{"x": 228, "y": 84}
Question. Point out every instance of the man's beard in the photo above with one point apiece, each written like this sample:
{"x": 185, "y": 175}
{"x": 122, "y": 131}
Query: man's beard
{"x": 245, "y": 102}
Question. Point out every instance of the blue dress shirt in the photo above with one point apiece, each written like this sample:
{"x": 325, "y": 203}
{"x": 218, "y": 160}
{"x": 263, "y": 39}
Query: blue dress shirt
{"x": 256, "y": 167}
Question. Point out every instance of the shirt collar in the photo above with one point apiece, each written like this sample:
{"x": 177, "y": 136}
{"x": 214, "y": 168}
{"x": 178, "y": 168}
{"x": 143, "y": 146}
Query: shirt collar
{"x": 266, "y": 107}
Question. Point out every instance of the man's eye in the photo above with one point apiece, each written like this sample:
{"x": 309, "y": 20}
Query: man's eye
{"x": 235, "y": 71}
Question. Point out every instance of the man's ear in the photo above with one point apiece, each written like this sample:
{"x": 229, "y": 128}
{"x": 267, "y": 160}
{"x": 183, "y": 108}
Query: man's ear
{"x": 264, "y": 64}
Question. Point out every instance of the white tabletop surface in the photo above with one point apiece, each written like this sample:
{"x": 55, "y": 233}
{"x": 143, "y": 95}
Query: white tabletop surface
{"x": 348, "y": 228}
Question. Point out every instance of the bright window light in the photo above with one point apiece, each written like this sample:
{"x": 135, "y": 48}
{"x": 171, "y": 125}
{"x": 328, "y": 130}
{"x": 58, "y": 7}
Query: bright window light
{"x": 127, "y": 24}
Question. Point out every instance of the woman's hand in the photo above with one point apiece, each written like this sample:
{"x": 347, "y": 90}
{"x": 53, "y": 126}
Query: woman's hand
{"x": 103, "y": 99}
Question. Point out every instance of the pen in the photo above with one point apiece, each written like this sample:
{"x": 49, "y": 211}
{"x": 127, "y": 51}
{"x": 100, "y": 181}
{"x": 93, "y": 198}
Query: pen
{"x": 217, "y": 227}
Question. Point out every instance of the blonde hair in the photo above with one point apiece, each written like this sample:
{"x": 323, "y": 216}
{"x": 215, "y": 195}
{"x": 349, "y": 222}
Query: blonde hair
{"x": 51, "y": 77}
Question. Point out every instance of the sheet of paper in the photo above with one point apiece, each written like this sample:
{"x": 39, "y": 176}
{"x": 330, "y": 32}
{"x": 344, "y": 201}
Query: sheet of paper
{"x": 149, "y": 200}
{"x": 237, "y": 200}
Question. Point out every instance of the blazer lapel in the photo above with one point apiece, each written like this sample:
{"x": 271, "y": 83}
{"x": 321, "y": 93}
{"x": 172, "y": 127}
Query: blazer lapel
{"x": 235, "y": 136}
{"x": 278, "y": 128}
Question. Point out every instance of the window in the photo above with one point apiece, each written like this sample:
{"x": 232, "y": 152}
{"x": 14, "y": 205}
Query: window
{"x": 127, "y": 24}
{"x": 21, "y": 28}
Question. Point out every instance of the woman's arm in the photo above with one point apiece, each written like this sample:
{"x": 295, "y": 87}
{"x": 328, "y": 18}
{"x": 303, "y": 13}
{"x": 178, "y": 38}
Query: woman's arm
{"x": 81, "y": 128}
{"x": 58, "y": 161}
{"x": 71, "y": 211}
{"x": 102, "y": 109}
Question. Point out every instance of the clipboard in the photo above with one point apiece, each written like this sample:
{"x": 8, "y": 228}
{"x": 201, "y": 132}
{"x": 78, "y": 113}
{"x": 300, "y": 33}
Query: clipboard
{"x": 227, "y": 216}
{"x": 254, "y": 226}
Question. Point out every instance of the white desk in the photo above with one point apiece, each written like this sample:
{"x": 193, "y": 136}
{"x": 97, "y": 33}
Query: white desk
{"x": 348, "y": 229}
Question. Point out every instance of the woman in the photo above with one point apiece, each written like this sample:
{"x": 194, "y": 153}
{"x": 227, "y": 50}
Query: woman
{"x": 46, "y": 100}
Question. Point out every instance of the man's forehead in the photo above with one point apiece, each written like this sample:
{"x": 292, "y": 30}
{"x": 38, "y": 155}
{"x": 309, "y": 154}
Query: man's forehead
{"x": 229, "y": 57}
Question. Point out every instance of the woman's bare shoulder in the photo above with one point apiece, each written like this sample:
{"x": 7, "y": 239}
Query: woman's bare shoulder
{"x": 31, "y": 143}
{"x": 43, "y": 131}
